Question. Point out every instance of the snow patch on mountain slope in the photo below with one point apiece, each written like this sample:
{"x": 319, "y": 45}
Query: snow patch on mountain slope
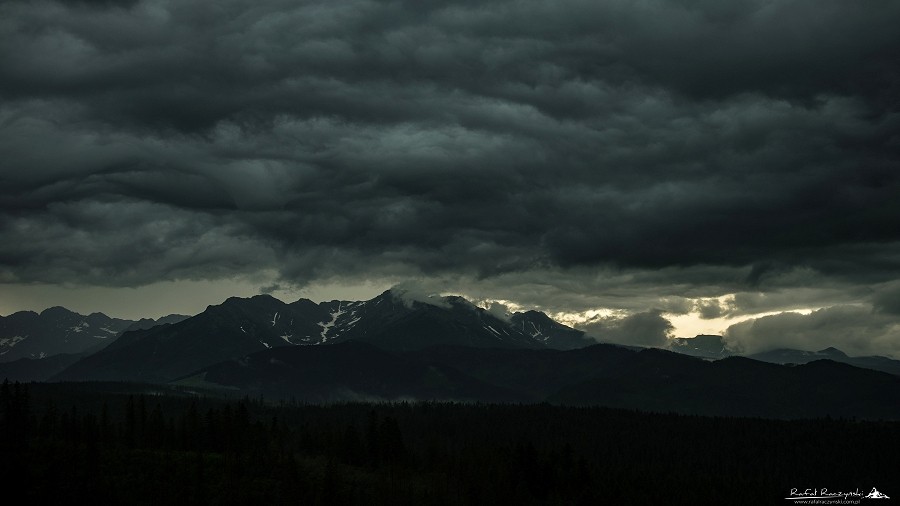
{"x": 326, "y": 326}
{"x": 80, "y": 327}
{"x": 11, "y": 341}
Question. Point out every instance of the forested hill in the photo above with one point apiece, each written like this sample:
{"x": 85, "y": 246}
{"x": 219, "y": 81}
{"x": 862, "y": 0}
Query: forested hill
{"x": 111, "y": 444}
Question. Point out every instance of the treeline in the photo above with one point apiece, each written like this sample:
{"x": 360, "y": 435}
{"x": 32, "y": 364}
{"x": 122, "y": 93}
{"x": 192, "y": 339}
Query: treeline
{"x": 163, "y": 449}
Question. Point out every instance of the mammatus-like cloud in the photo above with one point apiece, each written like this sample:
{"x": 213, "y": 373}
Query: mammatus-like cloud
{"x": 662, "y": 154}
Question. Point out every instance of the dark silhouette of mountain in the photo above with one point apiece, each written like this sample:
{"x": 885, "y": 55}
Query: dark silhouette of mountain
{"x": 659, "y": 380}
{"x": 603, "y": 375}
{"x": 147, "y": 323}
{"x": 550, "y": 332}
{"x": 349, "y": 371}
{"x": 537, "y": 374}
{"x": 714, "y": 347}
{"x": 789, "y": 356}
{"x": 393, "y": 346}
{"x": 36, "y": 369}
{"x": 704, "y": 346}
{"x": 56, "y": 330}
{"x": 239, "y": 327}
{"x": 356, "y": 368}
{"x": 391, "y": 322}
{"x": 161, "y": 353}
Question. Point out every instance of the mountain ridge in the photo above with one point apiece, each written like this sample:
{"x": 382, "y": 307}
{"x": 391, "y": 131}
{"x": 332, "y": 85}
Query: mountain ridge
{"x": 241, "y": 326}
{"x": 714, "y": 347}
{"x": 397, "y": 347}
{"x": 393, "y": 320}
{"x": 793, "y": 356}
{"x": 55, "y": 330}
{"x": 601, "y": 375}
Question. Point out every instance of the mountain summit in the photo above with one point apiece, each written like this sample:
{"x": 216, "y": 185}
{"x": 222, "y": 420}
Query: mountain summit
{"x": 550, "y": 332}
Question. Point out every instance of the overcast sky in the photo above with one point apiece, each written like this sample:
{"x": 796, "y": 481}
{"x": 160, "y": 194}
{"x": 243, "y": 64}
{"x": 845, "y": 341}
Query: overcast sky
{"x": 644, "y": 169}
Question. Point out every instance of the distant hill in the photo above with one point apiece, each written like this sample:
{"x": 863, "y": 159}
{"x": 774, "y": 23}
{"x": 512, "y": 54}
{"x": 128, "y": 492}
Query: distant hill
{"x": 537, "y": 374}
{"x": 350, "y": 371}
{"x": 600, "y": 375}
{"x": 37, "y": 369}
{"x": 659, "y": 380}
{"x": 714, "y": 347}
{"x": 788, "y": 356}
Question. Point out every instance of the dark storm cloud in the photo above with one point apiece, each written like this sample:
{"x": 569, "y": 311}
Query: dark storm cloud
{"x": 710, "y": 309}
{"x": 683, "y": 149}
{"x": 886, "y": 299}
{"x": 856, "y": 330}
{"x": 644, "y": 329}
{"x": 124, "y": 243}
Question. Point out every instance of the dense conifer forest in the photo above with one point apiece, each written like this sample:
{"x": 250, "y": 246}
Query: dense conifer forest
{"x": 128, "y": 444}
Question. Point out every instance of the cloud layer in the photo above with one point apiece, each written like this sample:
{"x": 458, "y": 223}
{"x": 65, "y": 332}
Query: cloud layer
{"x": 640, "y": 153}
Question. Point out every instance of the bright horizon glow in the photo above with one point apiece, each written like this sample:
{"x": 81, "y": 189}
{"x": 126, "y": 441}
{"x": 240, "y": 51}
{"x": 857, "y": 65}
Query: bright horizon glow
{"x": 578, "y": 318}
{"x": 691, "y": 324}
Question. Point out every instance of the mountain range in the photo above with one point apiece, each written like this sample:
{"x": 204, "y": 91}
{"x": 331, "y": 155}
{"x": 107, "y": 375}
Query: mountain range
{"x": 395, "y": 346}
{"x": 36, "y": 346}
{"x": 239, "y": 327}
{"x": 56, "y": 330}
{"x": 788, "y": 356}
{"x": 27, "y": 334}
{"x": 715, "y": 348}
